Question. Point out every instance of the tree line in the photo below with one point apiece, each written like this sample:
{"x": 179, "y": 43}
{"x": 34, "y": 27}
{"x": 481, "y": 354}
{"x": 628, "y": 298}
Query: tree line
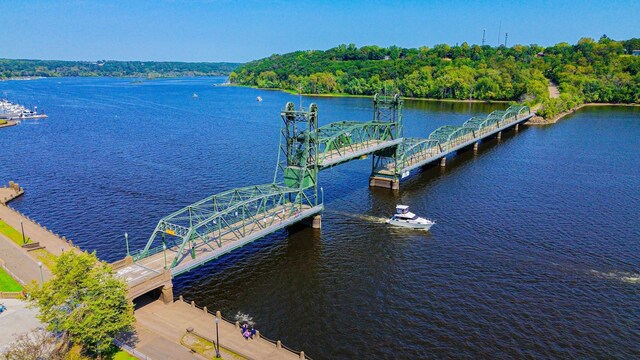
{"x": 589, "y": 71}
{"x": 10, "y": 68}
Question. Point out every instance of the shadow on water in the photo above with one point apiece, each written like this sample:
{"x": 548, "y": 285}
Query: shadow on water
{"x": 421, "y": 178}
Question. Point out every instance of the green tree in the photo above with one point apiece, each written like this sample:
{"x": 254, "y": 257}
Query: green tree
{"x": 587, "y": 71}
{"x": 85, "y": 301}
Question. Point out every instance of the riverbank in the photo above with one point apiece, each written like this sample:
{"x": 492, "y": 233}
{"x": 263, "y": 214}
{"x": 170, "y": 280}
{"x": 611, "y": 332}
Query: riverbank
{"x": 341, "y": 95}
{"x": 22, "y": 78}
{"x": 7, "y": 123}
{"x": 538, "y": 120}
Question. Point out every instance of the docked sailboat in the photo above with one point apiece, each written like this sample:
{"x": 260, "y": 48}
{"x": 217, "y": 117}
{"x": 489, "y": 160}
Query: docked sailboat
{"x": 405, "y": 218}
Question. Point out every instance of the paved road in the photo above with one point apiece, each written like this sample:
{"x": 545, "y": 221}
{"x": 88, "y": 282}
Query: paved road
{"x": 18, "y": 319}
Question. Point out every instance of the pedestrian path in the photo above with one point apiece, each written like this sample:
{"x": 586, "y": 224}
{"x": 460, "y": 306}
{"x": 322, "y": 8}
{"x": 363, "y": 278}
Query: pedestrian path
{"x": 16, "y": 320}
{"x": 171, "y": 322}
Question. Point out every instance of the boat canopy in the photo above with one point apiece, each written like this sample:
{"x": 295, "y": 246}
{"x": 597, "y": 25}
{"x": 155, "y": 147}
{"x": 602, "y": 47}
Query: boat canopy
{"x": 401, "y": 209}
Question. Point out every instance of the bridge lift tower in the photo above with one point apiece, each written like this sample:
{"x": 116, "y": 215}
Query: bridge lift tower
{"x": 297, "y": 164}
{"x": 387, "y": 109}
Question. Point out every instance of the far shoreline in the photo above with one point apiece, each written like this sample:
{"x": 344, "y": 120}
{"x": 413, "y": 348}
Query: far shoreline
{"x": 563, "y": 114}
{"x": 342, "y": 95}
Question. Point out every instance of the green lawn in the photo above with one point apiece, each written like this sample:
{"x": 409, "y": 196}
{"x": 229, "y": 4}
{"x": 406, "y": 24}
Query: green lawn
{"x": 47, "y": 259}
{"x": 123, "y": 355}
{"x": 11, "y": 233}
{"x": 7, "y": 283}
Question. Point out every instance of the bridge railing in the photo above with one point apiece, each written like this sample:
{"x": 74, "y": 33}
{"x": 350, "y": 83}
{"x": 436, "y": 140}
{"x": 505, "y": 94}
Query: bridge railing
{"x": 140, "y": 254}
{"x": 338, "y": 139}
{"x": 227, "y": 216}
{"x": 415, "y": 150}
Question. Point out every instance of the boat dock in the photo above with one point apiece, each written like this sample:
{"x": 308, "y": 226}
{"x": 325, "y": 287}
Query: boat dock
{"x": 13, "y": 111}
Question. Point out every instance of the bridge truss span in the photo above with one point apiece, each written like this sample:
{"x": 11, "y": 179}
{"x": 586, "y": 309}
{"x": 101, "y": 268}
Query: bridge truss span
{"x": 343, "y": 141}
{"x": 222, "y": 222}
{"x": 415, "y": 152}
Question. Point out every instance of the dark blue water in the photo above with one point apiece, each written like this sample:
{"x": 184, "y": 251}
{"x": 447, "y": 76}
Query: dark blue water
{"x": 536, "y": 252}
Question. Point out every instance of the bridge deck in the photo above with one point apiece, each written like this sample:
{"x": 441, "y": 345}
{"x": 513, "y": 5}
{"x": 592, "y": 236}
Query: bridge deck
{"x": 338, "y": 156}
{"x": 433, "y": 153}
{"x": 154, "y": 265}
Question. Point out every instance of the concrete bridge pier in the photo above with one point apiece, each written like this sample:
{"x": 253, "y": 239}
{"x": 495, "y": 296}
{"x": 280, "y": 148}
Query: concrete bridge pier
{"x": 475, "y": 146}
{"x": 443, "y": 162}
{"x": 393, "y": 184}
{"x": 316, "y": 221}
{"x": 499, "y": 136}
{"x": 167, "y": 293}
{"x": 517, "y": 127}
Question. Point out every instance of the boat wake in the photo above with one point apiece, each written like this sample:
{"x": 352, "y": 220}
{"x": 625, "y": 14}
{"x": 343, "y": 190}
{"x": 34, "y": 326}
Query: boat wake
{"x": 368, "y": 218}
{"x": 623, "y": 276}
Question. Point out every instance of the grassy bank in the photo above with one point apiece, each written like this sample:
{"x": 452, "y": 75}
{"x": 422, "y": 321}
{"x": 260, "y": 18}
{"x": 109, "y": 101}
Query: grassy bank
{"x": 42, "y": 255}
{"x": 13, "y": 234}
{"x": 7, "y": 283}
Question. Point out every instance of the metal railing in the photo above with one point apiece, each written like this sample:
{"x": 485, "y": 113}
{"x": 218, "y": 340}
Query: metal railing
{"x": 297, "y": 352}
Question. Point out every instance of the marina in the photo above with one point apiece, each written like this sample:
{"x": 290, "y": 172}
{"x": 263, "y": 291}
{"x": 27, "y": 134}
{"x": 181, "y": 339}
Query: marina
{"x": 13, "y": 111}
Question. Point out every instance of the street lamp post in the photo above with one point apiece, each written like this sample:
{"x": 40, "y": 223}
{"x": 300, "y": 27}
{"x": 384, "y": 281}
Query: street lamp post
{"x": 164, "y": 250}
{"x": 41, "y": 276}
{"x": 217, "y": 339}
{"x": 126, "y": 240}
{"x": 23, "y": 237}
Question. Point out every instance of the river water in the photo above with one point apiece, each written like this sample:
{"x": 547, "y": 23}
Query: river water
{"x": 535, "y": 253}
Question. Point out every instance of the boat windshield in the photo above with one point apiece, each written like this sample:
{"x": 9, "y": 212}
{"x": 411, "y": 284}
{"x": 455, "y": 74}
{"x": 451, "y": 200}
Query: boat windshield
{"x": 406, "y": 216}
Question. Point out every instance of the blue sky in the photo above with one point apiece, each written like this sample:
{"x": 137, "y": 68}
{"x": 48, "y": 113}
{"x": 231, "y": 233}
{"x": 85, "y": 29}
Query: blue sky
{"x": 239, "y": 31}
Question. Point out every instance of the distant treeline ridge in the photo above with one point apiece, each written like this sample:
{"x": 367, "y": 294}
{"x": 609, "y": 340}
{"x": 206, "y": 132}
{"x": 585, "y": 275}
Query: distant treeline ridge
{"x": 10, "y": 68}
{"x": 589, "y": 71}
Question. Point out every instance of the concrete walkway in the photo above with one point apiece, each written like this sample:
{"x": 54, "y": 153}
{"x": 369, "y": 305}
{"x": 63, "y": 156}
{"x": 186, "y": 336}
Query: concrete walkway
{"x": 8, "y": 193}
{"x": 156, "y": 346}
{"x": 20, "y": 263}
{"x": 16, "y": 259}
{"x": 15, "y": 321}
{"x": 54, "y": 244}
{"x": 171, "y": 322}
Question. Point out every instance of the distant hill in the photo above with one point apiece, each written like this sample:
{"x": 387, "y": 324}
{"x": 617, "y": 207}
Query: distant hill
{"x": 590, "y": 71}
{"x": 10, "y": 68}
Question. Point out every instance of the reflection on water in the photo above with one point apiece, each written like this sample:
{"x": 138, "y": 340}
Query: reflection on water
{"x": 534, "y": 254}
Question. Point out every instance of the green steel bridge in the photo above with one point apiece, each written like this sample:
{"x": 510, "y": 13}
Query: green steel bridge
{"x": 220, "y": 223}
{"x": 390, "y": 167}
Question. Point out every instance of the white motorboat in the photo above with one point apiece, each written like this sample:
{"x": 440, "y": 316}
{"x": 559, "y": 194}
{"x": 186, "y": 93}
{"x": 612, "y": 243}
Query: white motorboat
{"x": 405, "y": 218}
{"x": 259, "y": 99}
